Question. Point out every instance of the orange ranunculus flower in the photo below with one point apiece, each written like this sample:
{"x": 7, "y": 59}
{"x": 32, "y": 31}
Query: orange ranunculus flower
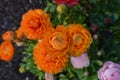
{"x": 80, "y": 39}
{"x": 35, "y": 23}
{"x": 8, "y": 35}
{"x": 19, "y": 33}
{"x": 47, "y": 62}
{"x": 6, "y": 50}
{"x": 57, "y": 42}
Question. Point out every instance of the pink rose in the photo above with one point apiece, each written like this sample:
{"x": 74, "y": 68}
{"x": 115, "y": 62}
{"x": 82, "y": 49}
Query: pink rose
{"x": 80, "y": 61}
{"x": 109, "y": 71}
{"x": 70, "y": 3}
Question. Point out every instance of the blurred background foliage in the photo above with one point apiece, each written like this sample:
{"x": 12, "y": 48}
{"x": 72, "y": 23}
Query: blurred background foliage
{"x": 102, "y": 18}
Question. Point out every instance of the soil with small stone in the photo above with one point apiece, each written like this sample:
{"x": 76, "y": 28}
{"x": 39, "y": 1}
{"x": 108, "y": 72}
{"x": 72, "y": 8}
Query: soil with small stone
{"x": 11, "y": 12}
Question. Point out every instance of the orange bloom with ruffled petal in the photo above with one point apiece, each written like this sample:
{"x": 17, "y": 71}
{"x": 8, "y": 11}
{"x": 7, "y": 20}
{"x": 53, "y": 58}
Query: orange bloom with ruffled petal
{"x": 57, "y": 42}
{"x": 6, "y": 50}
{"x": 80, "y": 39}
{"x": 8, "y": 35}
{"x": 47, "y": 62}
{"x": 35, "y": 23}
{"x": 19, "y": 33}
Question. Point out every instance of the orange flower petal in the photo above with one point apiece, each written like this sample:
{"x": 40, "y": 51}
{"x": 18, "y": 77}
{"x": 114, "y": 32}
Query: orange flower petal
{"x": 6, "y": 51}
{"x": 80, "y": 39}
{"x": 47, "y": 62}
{"x": 57, "y": 42}
{"x": 35, "y": 23}
{"x": 8, "y": 35}
{"x": 19, "y": 33}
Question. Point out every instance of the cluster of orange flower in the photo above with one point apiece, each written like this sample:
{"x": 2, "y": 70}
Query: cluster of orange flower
{"x": 54, "y": 46}
{"x": 6, "y": 47}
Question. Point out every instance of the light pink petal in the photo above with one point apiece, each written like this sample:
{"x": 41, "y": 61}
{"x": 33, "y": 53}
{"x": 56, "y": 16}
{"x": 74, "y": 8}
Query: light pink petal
{"x": 80, "y": 61}
{"x": 109, "y": 71}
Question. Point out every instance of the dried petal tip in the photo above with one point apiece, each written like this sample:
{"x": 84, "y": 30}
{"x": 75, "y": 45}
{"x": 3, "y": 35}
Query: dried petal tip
{"x": 49, "y": 76}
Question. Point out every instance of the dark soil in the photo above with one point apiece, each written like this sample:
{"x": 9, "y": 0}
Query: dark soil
{"x": 10, "y": 17}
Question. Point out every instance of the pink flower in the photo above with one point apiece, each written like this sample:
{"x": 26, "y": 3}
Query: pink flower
{"x": 109, "y": 71}
{"x": 94, "y": 28}
{"x": 107, "y": 20}
{"x": 70, "y": 3}
{"x": 80, "y": 61}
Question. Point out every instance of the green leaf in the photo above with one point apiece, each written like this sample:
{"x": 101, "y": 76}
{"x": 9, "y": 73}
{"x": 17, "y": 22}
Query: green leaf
{"x": 115, "y": 17}
{"x": 80, "y": 73}
{"x": 93, "y": 1}
{"x": 93, "y": 77}
{"x": 63, "y": 77}
{"x": 53, "y": 8}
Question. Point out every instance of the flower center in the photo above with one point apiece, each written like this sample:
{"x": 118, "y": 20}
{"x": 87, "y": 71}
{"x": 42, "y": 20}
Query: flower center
{"x": 57, "y": 42}
{"x": 77, "y": 39}
{"x": 6, "y": 50}
{"x": 35, "y": 23}
{"x": 59, "y": 39}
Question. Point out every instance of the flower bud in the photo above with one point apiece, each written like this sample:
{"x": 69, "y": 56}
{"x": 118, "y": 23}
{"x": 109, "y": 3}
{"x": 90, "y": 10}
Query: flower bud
{"x": 61, "y": 8}
{"x": 95, "y": 36}
{"x": 94, "y": 28}
{"x": 86, "y": 73}
{"x": 21, "y": 70}
{"x": 99, "y": 53}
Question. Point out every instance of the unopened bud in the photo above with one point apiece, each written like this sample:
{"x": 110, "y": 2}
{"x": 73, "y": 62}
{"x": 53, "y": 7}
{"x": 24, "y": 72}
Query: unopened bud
{"x": 86, "y": 73}
{"x": 94, "y": 28}
{"x": 21, "y": 70}
{"x": 99, "y": 53}
{"x": 100, "y": 63}
{"x": 61, "y": 8}
{"x": 95, "y": 36}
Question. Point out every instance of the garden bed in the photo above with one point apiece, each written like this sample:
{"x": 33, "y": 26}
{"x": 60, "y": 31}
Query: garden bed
{"x": 62, "y": 39}
{"x": 10, "y": 17}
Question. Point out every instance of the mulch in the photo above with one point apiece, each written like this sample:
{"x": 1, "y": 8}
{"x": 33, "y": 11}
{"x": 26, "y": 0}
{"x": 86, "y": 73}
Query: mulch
{"x": 11, "y": 12}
